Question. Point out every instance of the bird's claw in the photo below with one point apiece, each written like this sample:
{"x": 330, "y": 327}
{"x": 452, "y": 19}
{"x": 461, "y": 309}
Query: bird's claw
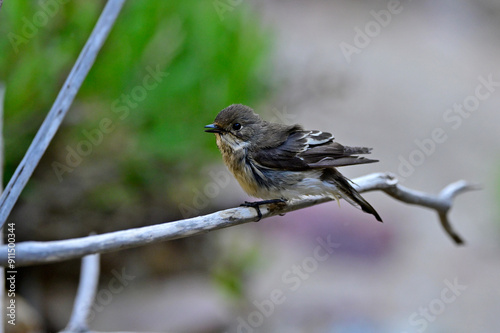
{"x": 256, "y": 205}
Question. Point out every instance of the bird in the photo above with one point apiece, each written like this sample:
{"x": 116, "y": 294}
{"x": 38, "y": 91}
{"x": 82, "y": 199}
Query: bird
{"x": 280, "y": 163}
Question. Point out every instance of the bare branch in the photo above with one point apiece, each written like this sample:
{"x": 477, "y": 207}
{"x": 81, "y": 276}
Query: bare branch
{"x": 89, "y": 280}
{"x": 441, "y": 203}
{"x": 59, "y": 108}
{"x": 31, "y": 252}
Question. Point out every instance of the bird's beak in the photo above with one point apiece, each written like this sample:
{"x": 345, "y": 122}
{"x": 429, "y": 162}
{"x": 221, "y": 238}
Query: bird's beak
{"x": 212, "y": 128}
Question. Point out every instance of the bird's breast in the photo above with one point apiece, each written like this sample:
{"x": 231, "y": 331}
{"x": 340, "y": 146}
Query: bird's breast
{"x": 235, "y": 157}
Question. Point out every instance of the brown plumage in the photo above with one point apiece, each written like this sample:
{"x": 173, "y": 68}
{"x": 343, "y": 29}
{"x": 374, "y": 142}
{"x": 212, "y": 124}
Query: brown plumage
{"x": 272, "y": 160}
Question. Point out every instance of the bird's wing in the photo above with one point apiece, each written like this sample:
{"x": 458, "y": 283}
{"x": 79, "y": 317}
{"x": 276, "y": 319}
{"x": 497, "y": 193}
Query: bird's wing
{"x": 304, "y": 150}
{"x": 334, "y": 154}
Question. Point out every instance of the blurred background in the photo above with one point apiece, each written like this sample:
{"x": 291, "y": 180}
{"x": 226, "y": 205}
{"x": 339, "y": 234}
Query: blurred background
{"x": 132, "y": 152}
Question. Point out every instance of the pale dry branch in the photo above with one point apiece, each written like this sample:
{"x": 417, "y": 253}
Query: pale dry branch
{"x": 32, "y": 252}
{"x": 87, "y": 289}
{"x": 59, "y": 108}
{"x": 441, "y": 203}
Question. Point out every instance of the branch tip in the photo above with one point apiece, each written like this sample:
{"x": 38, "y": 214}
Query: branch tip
{"x": 456, "y": 188}
{"x": 445, "y": 223}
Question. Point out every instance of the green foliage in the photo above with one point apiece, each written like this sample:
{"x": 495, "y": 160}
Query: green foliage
{"x": 154, "y": 127}
{"x": 232, "y": 268}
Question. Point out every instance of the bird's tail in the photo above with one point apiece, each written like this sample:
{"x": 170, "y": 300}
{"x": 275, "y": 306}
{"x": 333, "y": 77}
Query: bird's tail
{"x": 347, "y": 192}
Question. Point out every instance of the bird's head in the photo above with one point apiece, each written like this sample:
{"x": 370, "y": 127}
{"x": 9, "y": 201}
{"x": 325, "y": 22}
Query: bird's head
{"x": 235, "y": 125}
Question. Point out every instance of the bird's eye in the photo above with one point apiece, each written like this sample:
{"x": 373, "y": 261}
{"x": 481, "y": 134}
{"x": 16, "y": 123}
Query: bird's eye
{"x": 237, "y": 126}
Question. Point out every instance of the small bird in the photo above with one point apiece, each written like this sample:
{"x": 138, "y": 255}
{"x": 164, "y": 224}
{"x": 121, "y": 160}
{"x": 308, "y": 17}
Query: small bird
{"x": 284, "y": 162}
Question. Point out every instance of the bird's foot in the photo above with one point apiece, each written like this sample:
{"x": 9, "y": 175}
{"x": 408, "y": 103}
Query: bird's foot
{"x": 256, "y": 205}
